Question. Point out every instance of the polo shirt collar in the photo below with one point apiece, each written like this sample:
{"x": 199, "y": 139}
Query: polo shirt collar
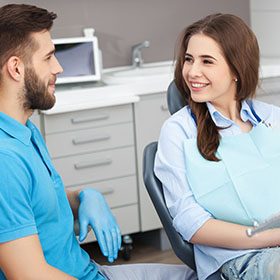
{"x": 15, "y": 129}
{"x": 221, "y": 121}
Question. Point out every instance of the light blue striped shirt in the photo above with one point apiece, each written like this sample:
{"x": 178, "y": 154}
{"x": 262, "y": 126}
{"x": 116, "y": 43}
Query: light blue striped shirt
{"x": 188, "y": 215}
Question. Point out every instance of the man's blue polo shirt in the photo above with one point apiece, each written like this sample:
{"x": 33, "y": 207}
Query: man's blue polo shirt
{"x": 33, "y": 200}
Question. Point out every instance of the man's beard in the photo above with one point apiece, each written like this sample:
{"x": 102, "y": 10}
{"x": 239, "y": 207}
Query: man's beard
{"x": 36, "y": 95}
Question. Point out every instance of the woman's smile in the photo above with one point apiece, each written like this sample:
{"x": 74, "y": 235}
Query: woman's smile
{"x": 197, "y": 86}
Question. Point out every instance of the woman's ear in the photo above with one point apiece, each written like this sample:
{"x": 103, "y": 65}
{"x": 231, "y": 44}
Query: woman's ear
{"x": 15, "y": 68}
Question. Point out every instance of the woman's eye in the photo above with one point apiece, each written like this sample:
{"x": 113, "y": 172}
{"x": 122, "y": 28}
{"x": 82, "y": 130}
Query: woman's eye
{"x": 207, "y": 61}
{"x": 188, "y": 59}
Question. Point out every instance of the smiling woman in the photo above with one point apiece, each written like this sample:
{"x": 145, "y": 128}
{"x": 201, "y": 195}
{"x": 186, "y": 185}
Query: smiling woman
{"x": 207, "y": 73}
{"x": 217, "y": 160}
{"x": 228, "y": 49}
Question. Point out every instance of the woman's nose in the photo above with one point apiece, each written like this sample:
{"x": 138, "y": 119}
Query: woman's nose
{"x": 195, "y": 70}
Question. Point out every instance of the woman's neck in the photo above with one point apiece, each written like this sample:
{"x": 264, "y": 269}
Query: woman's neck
{"x": 230, "y": 110}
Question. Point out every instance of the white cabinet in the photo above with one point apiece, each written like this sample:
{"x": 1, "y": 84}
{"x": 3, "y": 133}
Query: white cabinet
{"x": 150, "y": 113}
{"x": 95, "y": 148}
{"x": 269, "y": 91}
{"x": 35, "y": 118}
{"x": 103, "y": 149}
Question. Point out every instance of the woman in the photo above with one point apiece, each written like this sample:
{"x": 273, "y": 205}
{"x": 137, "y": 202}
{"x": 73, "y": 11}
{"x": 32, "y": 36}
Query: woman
{"x": 218, "y": 158}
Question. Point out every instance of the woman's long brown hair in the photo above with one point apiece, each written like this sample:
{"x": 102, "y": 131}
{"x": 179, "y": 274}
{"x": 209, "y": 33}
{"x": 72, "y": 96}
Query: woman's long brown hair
{"x": 241, "y": 51}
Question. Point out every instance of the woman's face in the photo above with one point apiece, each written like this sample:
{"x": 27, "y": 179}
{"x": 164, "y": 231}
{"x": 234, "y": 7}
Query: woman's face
{"x": 207, "y": 73}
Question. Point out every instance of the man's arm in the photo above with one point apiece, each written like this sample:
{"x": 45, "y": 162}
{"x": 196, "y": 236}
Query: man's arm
{"x": 74, "y": 201}
{"x": 23, "y": 258}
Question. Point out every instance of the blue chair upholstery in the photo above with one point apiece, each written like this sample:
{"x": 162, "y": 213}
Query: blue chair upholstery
{"x": 174, "y": 99}
{"x": 182, "y": 248}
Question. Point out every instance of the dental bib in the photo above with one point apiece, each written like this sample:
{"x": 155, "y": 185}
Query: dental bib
{"x": 244, "y": 186}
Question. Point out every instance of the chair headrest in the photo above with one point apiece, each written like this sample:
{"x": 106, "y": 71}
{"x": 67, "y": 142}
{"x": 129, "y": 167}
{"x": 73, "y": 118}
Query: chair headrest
{"x": 174, "y": 99}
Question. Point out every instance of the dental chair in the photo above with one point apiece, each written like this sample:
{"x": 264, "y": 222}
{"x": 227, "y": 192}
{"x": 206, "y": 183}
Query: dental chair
{"x": 182, "y": 248}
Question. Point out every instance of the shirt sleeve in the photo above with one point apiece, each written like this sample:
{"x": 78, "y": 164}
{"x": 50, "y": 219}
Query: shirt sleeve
{"x": 17, "y": 219}
{"x": 188, "y": 216}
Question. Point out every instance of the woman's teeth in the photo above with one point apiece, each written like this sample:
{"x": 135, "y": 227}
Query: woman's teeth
{"x": 198, "y": 85}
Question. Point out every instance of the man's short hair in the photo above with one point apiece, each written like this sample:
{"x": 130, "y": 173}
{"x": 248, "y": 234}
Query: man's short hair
{"x": 17, "y": 23}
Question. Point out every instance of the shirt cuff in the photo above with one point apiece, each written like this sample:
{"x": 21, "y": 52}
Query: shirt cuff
{"x": 19, "y": 232}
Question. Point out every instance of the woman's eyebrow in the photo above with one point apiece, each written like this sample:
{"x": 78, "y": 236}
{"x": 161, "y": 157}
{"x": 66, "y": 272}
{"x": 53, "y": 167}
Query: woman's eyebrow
{"x": 202, "y": 56}
{"x": 208, "y": 56}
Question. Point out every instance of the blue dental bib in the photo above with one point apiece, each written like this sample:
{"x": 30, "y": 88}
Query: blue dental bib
{"x": 244, "y": 186}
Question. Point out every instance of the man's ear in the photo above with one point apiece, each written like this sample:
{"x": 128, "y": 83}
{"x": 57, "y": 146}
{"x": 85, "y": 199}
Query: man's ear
{"x": 15, "y": 68}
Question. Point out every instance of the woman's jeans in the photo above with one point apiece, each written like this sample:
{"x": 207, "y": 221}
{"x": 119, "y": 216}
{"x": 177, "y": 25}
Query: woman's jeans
{"x": 260, "y": 265}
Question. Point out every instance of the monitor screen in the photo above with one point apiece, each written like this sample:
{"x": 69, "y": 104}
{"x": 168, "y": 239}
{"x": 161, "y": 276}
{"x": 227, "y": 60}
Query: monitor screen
{"x": 79, "y": 59}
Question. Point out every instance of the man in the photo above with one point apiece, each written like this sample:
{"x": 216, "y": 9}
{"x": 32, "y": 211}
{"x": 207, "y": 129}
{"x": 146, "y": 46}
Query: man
{"x": 36, "y": 226}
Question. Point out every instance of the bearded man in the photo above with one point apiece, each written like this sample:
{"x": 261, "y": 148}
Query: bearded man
{"x": 37, "y": 239}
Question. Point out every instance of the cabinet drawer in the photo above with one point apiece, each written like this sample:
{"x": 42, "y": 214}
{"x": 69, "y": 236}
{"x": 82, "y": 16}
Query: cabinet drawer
{"x": 90, "y": 140}
{"x": 97, "y": 166}
{"x": 87, "y": 118}
{"x": 118, "y": 192}
{"x": 127, "y": 218}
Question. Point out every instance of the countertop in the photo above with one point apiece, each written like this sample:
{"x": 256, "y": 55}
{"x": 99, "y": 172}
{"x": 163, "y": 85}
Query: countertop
{"x": 87, "y": 96}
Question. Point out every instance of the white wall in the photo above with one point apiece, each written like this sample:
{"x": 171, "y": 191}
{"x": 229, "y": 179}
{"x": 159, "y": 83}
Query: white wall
{"x": 265, "y": 22}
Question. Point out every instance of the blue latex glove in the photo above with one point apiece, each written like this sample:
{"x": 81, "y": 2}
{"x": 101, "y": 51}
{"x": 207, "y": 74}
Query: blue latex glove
{"x": 94, "y": 211}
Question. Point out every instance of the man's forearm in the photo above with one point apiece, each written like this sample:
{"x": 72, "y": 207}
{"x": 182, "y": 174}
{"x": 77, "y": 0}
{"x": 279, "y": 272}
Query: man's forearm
{"x": 53, "y": 273}
{"x": 74, "y": 201}
{"x": 46, "y": 272}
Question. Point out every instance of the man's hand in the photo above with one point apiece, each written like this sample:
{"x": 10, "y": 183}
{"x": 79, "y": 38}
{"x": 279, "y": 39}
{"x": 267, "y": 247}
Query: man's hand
{"x": 94, "y": 211}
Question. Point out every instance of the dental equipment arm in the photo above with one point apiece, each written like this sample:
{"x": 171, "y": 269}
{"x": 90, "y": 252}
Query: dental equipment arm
{"x": 271, "y": 223}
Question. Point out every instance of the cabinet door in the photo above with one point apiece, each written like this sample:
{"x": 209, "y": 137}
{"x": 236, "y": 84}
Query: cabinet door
{"x": 150, "y": 113}
{"x": 269, "y": 91}
{"x": 35, "y": 118}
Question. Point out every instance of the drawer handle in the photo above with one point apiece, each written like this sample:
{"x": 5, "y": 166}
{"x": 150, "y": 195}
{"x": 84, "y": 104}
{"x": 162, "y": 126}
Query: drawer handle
{"x": 107, "y": 191}
{"x": 86, "y": 140}
{"x": 93, "y": 163}
{"x": 90, "y": 119}
{"x": 164, "y": 107}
